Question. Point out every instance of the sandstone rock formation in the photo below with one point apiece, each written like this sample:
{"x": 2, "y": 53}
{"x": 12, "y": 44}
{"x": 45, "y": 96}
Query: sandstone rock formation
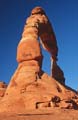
{"x": 57, "y": 73}
{"x": 38, "y": 26}
{"x": 30, "y": 87}
{"x": 3, "y": 87}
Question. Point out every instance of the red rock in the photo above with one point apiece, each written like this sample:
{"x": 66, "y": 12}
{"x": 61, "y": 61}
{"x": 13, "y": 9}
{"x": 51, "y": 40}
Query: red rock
{"x": 3, "y": 87}
{"x": 37, "y": 10}
{"x": 57, "y": 73}
{"x": 30, "y": 87}
{"x": 37, "y": 25}
{"x": 29, "y": 50}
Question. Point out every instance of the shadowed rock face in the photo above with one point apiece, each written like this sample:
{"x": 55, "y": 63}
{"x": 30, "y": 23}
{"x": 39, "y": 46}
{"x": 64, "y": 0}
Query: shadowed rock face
{"x": 30, "y": 87}
{"x": 3, "y": 87}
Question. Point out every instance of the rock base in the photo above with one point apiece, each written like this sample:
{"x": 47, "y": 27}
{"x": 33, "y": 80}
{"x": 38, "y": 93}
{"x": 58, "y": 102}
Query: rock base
{"x": 36, "y": 92}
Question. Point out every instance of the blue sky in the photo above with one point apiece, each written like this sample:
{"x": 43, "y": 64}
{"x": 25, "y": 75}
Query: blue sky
{"x": 63, "y": 14}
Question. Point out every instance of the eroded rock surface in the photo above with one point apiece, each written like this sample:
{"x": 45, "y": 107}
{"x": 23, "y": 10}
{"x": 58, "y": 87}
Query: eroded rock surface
{"x": 57, "y": 73}
{"x": 3, "y": 87}
{"x": 37, "y": 27}
{"x": 30, "y": 87}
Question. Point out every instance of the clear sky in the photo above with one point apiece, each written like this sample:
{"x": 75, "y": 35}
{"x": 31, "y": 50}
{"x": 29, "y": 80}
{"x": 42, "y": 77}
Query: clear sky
{"x": 63, "y": 14}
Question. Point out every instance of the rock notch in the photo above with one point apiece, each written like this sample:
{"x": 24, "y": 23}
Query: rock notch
{"x": 30, "y": 87}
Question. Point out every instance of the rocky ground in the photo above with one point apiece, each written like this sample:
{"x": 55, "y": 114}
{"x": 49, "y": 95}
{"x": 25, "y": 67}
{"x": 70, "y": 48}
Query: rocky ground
{"x": 48, "y": 114}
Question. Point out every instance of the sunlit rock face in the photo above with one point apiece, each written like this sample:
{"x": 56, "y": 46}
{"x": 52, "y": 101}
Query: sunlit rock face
{"x": 30, "y": 87}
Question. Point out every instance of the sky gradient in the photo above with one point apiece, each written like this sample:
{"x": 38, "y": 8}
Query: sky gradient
{"x": 63, "y": 15}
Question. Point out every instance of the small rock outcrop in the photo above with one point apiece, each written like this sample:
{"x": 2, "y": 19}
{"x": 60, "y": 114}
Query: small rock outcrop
{"x": 30, "y": 87}
{"x": 3, "y": 87}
